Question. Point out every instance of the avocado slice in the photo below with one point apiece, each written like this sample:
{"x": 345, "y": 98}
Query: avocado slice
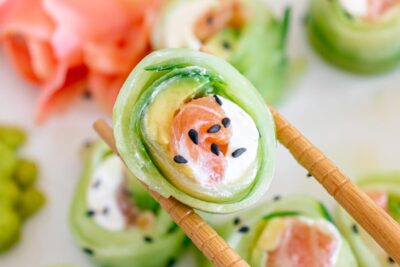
{"x": 166, "y": 104}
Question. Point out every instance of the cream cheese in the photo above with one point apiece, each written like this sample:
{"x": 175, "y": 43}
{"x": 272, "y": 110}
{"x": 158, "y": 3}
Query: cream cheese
{"x": 355, "y": 7}
{"x": 177, "y": 30}
{"x": 244, "y": 136}
{"x": 101, "y": 199}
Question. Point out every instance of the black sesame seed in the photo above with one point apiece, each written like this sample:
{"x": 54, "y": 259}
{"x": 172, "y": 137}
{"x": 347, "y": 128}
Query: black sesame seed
{"x": 309, "y": 175}
{"x": 172, "y": 228}
{"x": 105, "y": 210}
{"x": 215, "y": 149}
{"x": 226, "y": 45}
{"x": 226, "y": 122}
{"x": 306, "y": 18}
{"x": 277, "y": 198}
{"x": 148, "y": 239}
{"x": 210, "y": 20}
{"x": 348, "y": 15}
{"x": 354, "y": 228}
{"x": 97, "y": 183}
{"x": 87, "y": 144}
{"x": 236, "y": 221}
{"x": 180, "y": 159}
{"x": 238, "y": 152}
{"x": 128, "y": 192}
{"x": 244, "y": 229}
{"x": 218, "y": 100}
{"x": 171, "y": 262}
{"x": 214, "y": 129}
{"x": 391, "y": 260}
{"x": 87, "y": 95}
{"x": 90, "y": 213}
{"x": 88, "y": 251}
{"x": 194, "y": 136}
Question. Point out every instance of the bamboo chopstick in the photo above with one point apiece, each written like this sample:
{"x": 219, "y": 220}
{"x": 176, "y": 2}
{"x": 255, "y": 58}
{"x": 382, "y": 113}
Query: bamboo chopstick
{"x": 202, "y": 235}
{"x": 384, "y": 229}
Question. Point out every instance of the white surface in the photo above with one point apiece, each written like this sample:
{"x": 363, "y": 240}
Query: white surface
{"x": 353, "y": 119}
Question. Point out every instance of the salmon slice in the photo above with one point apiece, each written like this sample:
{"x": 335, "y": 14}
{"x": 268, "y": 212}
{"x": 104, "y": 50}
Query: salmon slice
{"x": 228, "y": 13}
{"x": 303, "y": 245}
{"x": 200, "y": 139}
{"x": 126, "y": 205}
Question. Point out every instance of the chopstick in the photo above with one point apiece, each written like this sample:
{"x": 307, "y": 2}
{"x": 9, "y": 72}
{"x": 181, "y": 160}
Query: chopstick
{"x": 383, "y": 228}
{"x": 202, "y": 235}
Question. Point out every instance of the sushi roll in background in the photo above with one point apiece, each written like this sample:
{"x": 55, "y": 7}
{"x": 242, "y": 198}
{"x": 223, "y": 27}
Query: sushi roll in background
{"x": 362, "y": 36}
{"x": 115, "y": 221}
{"x": 244, "y": 32}
{"x": 189, "y": 125}
{"x": 384, "y": 189}
{"x": 292, "y": 231}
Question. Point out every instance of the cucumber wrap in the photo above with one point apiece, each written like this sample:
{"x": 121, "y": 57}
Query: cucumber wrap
{"x": 354, "y": 42}
{"x": 153, "y": 240}
{"x": 246, "y": 233}
{"x": 253, "y": 40}
{"x": 385, "y": 190}
{"x": 161, "y": 86}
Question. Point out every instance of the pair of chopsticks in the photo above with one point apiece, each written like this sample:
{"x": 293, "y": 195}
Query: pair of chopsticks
{"x": 384, "y": 229}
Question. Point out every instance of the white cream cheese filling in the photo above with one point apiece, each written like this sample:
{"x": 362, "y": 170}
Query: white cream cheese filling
{"x": 102, "y": 194}
{"x": 245, "y": 135}
{"x": 177, "y": 29}
{"x": 355, "y": 7}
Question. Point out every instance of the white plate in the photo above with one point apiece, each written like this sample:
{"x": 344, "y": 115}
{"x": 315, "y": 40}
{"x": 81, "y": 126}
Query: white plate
{"x": 353, "y": 119}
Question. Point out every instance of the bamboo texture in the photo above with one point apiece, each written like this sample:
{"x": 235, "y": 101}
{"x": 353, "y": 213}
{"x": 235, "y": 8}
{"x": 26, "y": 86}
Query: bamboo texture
{"x": 384, "y": 229}
{"x": 202, "y": 235}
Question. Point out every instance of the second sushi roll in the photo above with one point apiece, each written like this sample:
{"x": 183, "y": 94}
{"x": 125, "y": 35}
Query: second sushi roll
{"x": 294, "y": 231}
{"x": 114, "y": 219}
{"x": 246, "y": 33}
{"x": 384, "y": 189}
{"x": 361, "y": 36}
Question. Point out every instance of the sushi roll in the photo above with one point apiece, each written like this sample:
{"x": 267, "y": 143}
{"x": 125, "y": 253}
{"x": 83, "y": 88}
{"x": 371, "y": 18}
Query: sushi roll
{"x": 293, "y": 231}
{"x": 243, "y": 32}
{"x": 362, "y": 36}
{"x": 189, "y": 125}
{"x": 115, "y": 221}
{"x": 384, "y": 189}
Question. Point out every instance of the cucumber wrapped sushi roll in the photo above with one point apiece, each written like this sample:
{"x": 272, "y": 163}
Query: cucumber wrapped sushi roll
{"x": 294, "y": 231}
{"x": 359, "y": 35}
{"x": 114, "y": 219}
{"x": 384, "y": 189}
{"x": 191, "y": 126}
{"x": 244, "y": 32}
